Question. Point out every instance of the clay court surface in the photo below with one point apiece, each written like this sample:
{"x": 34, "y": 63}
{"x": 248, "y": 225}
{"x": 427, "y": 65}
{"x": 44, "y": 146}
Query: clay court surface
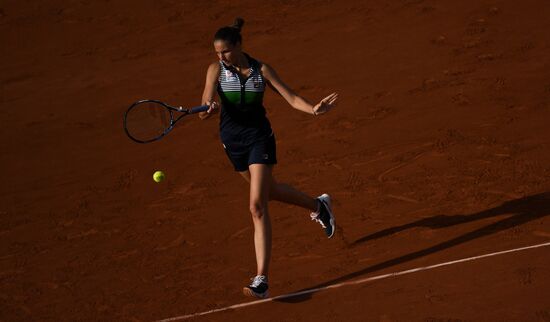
{"x": 439, "y": 150}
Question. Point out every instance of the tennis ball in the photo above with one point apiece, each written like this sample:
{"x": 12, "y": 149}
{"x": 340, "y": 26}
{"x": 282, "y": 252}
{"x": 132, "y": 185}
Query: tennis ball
{"x": 158, "y": 176}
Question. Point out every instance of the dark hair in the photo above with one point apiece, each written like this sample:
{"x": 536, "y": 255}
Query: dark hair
{"x": 231, "y": 34}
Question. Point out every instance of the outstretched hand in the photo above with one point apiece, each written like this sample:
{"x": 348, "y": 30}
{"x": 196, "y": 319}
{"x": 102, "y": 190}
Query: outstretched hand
{"x": 326, "y": 104}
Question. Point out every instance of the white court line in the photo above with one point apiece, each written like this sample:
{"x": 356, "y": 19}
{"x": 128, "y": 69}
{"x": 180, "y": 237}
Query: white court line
{"x": 364, "y": 280}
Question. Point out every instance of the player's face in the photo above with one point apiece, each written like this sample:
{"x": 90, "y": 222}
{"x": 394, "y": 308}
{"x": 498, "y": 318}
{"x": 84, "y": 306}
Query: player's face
{"x": 227, "y": 53}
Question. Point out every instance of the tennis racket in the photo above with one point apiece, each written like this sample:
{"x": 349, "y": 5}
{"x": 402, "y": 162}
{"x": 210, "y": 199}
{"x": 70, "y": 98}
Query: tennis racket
{"x": 147, "y": 121}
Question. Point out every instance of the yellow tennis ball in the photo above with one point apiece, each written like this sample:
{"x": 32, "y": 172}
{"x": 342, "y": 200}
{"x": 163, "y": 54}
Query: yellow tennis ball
{"x": 158, "y": 176}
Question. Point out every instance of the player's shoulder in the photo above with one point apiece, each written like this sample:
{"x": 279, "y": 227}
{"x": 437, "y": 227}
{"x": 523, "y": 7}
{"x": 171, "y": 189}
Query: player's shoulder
{"x": 214, "y": 66}
{"x": 266, "y": 68}
{"x": 213, "y": 70}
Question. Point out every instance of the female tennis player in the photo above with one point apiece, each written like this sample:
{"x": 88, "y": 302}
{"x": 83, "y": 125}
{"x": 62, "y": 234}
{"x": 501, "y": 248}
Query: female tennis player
{"x": 249, "y": 141}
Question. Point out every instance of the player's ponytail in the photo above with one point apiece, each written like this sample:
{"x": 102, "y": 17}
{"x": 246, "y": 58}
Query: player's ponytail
{"x": 231, "y": 34}
{"x": 238, "y": 23}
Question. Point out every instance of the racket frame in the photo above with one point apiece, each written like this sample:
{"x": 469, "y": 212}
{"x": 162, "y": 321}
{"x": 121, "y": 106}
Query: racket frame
{"x": 171, "y": 109}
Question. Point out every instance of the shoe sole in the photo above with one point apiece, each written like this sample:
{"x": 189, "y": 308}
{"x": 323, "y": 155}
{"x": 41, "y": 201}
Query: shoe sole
{"x": 325, "y": 198}
{"x": 250, "y": 293}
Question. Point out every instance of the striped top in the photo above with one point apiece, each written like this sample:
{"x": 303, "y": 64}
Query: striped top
{"x": 242, "y": 99}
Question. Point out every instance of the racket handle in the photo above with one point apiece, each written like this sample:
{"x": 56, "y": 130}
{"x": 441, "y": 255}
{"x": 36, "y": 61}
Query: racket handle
{"x": 197, "y": 109}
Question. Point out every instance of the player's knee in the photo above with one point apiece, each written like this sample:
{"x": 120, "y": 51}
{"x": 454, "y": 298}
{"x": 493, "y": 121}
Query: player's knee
{"x": 257, "y": 210}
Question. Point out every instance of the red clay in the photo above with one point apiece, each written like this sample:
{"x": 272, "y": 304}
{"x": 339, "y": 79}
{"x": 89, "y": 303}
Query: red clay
{"x": 438, "y": 150}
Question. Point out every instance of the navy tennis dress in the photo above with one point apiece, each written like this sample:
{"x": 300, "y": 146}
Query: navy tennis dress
{"x": 245, "y": 131}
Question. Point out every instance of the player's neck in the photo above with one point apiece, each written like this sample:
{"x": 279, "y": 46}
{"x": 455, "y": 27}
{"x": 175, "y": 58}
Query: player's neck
{"x": 242, "y": 63}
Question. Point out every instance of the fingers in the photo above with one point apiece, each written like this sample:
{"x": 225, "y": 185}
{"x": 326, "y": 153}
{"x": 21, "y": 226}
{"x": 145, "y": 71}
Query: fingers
{"x": 330, "y": 97}
{"x": 326, "y": 104}
{"x": 332, "y": 100}
{"x": 212, "y": 106}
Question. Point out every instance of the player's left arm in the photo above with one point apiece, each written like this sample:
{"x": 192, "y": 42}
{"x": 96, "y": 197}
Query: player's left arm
{"x": 295, "y": 100}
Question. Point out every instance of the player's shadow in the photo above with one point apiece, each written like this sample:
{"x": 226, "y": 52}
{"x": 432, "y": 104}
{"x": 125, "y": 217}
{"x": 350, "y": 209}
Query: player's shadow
{"x": 521, "y": 211}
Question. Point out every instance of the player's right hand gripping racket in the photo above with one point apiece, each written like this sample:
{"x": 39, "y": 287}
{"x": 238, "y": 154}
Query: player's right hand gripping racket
{"x": 149, "y": 120}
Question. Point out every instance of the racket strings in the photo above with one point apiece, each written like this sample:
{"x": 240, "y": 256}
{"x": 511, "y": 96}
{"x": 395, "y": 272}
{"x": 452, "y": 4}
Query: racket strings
{"x": 148, "y": 121}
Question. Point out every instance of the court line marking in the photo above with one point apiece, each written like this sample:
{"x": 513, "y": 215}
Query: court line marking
{"x": 359, "y": 281}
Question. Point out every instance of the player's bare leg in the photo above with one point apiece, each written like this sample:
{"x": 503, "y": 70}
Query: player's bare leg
{"x": 260, "y": 180}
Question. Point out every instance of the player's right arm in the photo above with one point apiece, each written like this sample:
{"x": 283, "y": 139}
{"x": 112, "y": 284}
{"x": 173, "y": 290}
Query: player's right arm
{"x": 212, "y": 75}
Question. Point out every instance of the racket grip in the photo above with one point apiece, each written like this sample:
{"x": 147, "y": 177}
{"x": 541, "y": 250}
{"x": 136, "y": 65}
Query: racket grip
{"x": 197, "y": 109}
